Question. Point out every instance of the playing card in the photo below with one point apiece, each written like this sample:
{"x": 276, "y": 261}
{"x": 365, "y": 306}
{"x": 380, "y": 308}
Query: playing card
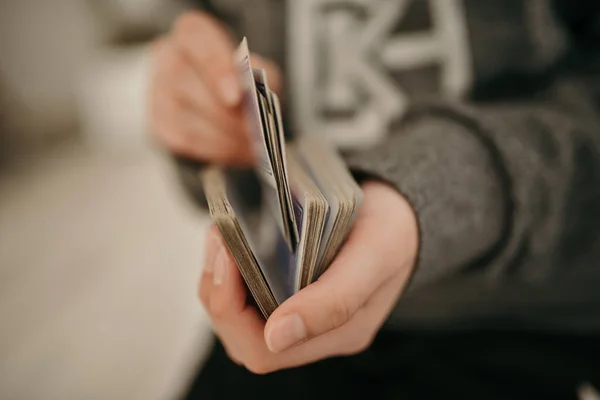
{"x": 309, "y": 200}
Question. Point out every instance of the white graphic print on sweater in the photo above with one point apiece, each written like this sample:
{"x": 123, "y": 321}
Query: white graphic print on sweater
{"x": 345, "y": 56}
{"x": 342, "y": 53}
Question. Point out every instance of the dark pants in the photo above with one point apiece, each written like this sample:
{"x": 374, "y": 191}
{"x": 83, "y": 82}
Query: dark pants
{"x": 482, "y": 365}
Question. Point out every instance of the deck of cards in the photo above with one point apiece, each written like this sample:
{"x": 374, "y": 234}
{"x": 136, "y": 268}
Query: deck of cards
{"x": 309, "y": 200}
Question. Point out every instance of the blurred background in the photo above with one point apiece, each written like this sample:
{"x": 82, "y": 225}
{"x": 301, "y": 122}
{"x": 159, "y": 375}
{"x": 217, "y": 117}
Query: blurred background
{"x": 100, "y": 252}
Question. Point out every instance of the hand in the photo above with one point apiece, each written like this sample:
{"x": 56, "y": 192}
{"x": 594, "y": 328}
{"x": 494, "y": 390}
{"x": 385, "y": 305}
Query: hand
{"x": 340, "y": 314}
{"x": 195, "y": 93}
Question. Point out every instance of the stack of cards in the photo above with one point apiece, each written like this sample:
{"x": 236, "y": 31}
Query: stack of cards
{"x": 310, "y": 200}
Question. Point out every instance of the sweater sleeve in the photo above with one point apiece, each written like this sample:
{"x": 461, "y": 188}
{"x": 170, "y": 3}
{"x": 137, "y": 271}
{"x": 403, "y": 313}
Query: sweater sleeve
{"x": 504, "y": 189}
{"x": 448, "y": 176}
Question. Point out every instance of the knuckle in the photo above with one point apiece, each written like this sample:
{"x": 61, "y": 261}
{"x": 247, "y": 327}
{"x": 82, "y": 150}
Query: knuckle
{"x": 223, "y": 153}
{"x": 214, "y": 232}
{"x": 157, "y": 105}
{"x": 202, "y": 36}
{"x": 189, "y": 23}
{"x": 170, "y": 109}
{"x": 203, "y": 297}
{"x": 153, "y": 118}
{"x": 158, "y": 50}
{"x": 174, "y": 64}
{"x": 204, "y": 291}
{"x": 196, "y": 24}
{"x": 165, "y": 59}
{"x": 340, "y": 312}
{"x": 212, "y": 70}
{"x": 176, "y": 141}
{"x": 191, "y": 137}
{"x": 155, "y": 128}
{"x": 363, "y": 342}
{"x": 231, "y": 355}
{"x": 258, "y": 366}
{"x": 163, "y": 125}
{"x": 358, "y": 344}
{"x": 218, "y": 310}
{"x": 158, "y": 132}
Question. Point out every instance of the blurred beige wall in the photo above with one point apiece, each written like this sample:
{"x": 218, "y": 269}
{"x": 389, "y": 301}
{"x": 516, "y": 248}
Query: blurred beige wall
{"x": 44, "y": 45}
{"x": 61, "y": 74}
{"x": 99, "y": 254}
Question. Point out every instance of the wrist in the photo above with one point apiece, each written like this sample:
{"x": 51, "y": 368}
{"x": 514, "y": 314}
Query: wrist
{"x": 401, "y": 219}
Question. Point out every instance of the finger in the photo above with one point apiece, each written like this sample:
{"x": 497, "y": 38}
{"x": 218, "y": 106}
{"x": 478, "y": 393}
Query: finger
{"x": 360, "y": 269}
{"x": 161, "y": 51}
{"x": 239, "y": 326}
{"x": 195, "y": 94}
{"x": 369, "y": 319}
{"x": 352, "y": 338}
{"x": 232, "y": 356}
{"x": 215, "y": 134}
{"x": 209, "y": 48}
{"x": 174, "y": 77}
{"x": 204, "y": 288}
{"x": 243, "y": 336}
{"x": 212, "y": 244}
{"x": 250, "y": 349}
{"x": 331, "y": 302}
{"x": 187, "y": 134}
{"x": 228, "y": 292}
{"x": 175, "y": 74}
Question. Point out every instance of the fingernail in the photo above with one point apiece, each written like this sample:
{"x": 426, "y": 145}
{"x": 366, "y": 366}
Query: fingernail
{"x": 287, "y": 332}
{"x": 212, "y": 247}
{"x": 220, "y": 267}
{"x": 230, "y": 90}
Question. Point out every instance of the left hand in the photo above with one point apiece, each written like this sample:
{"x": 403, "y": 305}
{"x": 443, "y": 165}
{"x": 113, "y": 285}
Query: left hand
{"x": 340, "y": 313}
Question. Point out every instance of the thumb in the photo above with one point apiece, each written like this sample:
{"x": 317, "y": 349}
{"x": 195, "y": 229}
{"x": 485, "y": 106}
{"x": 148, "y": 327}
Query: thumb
{"x": 378, "y": 244}
{"x": 331, "y": 302}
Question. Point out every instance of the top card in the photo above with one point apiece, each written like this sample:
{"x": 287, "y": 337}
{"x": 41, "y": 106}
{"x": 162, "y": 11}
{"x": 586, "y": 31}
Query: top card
{"x": 264, "y": 130}
{"x": 252, "y": 113}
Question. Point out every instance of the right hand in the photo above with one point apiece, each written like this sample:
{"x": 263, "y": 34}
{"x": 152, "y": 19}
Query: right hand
{"x": 195, "y": 95}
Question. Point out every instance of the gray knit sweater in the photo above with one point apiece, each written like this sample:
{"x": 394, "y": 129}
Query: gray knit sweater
{"x": 485, "y": 115}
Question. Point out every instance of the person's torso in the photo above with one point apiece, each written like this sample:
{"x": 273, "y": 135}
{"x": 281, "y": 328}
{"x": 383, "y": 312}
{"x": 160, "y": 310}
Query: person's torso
{"x": 353, "y": 66}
